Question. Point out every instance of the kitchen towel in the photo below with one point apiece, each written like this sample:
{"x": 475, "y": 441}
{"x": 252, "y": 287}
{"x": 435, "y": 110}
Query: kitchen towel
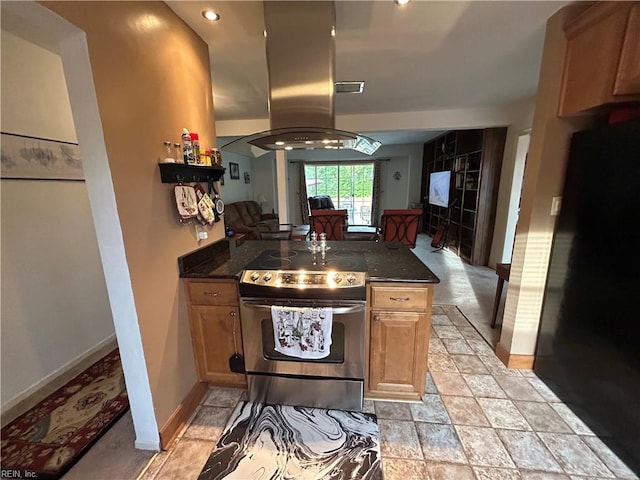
{"x": 302, "y": 332}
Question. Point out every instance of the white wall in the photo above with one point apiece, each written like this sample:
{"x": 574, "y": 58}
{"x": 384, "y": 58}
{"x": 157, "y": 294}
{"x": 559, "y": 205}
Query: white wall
{"x": 237, "y": 190}
{"x": 510, "y": 184}
{"x": 54, "y": 300}
{"x": 264, "y": 181}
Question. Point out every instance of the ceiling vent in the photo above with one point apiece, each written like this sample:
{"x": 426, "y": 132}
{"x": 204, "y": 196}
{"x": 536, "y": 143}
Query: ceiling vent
{"x": 300, "y": 48}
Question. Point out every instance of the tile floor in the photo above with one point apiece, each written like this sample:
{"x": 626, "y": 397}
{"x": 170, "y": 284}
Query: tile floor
{"x": 472, "y": 289}
{"x": 478, "y": 420}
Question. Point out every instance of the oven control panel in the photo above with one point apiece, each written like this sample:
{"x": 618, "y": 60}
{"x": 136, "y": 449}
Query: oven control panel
{"x": 303, "y": 279}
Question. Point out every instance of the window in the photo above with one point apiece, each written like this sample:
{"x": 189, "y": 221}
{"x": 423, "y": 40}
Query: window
{"x": 350, "y": 186}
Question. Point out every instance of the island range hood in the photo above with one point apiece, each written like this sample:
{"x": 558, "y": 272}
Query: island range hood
{"x": 300, "y": 48}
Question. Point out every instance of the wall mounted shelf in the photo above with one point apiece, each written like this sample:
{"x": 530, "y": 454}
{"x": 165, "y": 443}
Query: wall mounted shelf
{"x": 181, "y": 172}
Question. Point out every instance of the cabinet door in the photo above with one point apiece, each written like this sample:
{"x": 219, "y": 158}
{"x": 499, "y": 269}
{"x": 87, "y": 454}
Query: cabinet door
{"x": 601, "y": 64}
{"x": 628, "y": 75}
{"x": 398, "y": 353}
{"x": 212, "y": 335}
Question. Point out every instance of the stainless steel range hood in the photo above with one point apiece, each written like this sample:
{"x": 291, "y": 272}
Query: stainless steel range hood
{"x": 300, "y": 47}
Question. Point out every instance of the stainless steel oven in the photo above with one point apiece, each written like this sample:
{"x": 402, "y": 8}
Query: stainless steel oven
{"x": 336, "y": 381}
{"x": 297, "y": 278}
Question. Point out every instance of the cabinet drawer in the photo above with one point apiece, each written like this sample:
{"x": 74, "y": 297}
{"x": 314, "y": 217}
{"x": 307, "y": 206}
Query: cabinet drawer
{"x": 212, "y": 293}
{"x": 399, "y": 298}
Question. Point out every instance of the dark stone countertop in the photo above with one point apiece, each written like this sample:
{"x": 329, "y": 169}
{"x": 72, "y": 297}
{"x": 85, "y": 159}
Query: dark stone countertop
{"x": 225, "y": 259}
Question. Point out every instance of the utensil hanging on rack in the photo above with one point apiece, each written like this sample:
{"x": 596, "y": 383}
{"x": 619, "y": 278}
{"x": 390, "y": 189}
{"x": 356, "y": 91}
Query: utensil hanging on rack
{"x": 236, "y": 361}
{"x": 218, "y": 209}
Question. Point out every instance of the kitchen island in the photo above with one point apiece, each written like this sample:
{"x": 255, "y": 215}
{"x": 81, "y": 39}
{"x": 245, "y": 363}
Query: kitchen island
{"x": 399, "y": 290}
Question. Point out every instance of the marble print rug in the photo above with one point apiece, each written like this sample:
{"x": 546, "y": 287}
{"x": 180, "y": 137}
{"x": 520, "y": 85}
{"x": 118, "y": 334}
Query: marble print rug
{"x": 272, "y": 442}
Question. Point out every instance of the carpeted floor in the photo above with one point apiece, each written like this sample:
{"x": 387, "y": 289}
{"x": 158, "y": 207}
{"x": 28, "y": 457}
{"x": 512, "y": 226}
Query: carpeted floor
{"x": 275, "y": 441}
{"x": 45, "y": 441}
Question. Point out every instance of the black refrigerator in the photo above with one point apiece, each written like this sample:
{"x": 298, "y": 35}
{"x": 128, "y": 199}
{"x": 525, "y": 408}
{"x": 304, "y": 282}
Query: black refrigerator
{"x": 588, "y": 348}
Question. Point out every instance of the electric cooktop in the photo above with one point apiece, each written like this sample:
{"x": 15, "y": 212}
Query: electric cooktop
{"x": 278, "y": 272}
{"x": 305, "y": 259}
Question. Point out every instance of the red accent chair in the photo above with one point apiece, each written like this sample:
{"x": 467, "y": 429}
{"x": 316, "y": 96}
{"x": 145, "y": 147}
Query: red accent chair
{"x": 331, "y": 222}
{"x": 401, "y": 226}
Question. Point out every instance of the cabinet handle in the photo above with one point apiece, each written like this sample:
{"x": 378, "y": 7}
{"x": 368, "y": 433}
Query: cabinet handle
{"x": 376, "y": 318}
{"x": 399, "y": 299}
{"x": 233, "y": 314}
{"x": 212, "y": 294}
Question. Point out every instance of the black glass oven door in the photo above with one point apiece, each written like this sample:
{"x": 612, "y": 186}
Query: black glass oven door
{"x": 336, "y": 354}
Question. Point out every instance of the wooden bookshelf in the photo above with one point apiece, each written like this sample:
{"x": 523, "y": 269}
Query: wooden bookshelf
{"x": 474, "y": 158}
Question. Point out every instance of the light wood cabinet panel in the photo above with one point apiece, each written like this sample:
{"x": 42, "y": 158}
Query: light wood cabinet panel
{"x": 394, "y": 362}
{"x": 212, "y": 330}
{"x": 602, "y": 63}
{"x": 398, "y": 298}
{"x": 628, "y": 77}
{"x": 214, "y": 313}
{"x": 212, "y": 293}
{"x": 398, "y": 340}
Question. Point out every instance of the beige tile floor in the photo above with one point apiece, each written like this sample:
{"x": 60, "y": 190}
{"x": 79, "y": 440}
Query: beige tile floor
{"x": 478, "y": 420}
{"x": 471, "y": 288}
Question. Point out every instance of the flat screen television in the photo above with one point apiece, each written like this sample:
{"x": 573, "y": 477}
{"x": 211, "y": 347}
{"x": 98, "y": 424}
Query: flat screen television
{"x": 439, "y": 183}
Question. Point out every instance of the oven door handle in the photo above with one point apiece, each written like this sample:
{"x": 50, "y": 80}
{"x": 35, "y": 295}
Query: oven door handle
{"x": 335, "y": 310}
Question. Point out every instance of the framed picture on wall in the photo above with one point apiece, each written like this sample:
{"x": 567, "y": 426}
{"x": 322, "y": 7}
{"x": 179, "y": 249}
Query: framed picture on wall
{"x": 234, "y": 171}
{"x": 34, "y": 158}
{"x": 247, "y": 177}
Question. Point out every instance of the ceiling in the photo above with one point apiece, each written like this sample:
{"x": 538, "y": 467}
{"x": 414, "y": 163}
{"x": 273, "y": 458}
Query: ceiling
{"x": 425, "y": 56}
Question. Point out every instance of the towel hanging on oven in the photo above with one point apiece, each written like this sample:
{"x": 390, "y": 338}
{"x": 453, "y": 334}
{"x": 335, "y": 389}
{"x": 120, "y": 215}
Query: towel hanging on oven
{"x": 302, "y": 332}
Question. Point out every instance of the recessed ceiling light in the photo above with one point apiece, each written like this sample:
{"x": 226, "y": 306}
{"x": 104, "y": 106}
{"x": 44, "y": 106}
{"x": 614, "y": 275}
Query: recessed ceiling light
{"x": 401, "y": 2}
{"x": 279, "y": 142}
{"x": 211, "y": 15}
{"x": 288, "y": 147}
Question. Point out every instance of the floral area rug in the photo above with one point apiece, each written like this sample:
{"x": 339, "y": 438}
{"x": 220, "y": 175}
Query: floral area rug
{"x": 47, "y": 440}
{"x": 276, "y": 441}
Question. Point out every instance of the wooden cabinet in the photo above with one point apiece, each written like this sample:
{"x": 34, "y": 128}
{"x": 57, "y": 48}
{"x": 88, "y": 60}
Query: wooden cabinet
{"x": 214, "y": 317}
{"x": 398, "y": 337}
{"x": 474, "y": 158}
{"x": 602, "y": 64}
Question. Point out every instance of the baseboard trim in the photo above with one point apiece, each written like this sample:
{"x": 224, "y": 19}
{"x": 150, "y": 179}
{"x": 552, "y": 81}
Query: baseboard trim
{"x": 30, "y": 397}
{"x": 512, "y": 360}
{"x": 171, "y": 428}
{"x": 392, "y": 396}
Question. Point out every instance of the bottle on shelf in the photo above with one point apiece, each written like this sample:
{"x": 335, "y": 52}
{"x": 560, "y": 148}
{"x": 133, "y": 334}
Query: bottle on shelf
{"x": 187, "y": 147}
{"x": 168, "y": 158}
{"x": 178, "y": 148}
{"x": 216, "y": 157}
{"x": 195, "y": 143}
{"x": 205, "y": 158}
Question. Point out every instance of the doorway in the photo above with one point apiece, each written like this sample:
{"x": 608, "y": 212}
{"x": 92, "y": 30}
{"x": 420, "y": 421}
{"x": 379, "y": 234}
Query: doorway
{"x": 42, "y": 27}
{"x": 522, "y": 147}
